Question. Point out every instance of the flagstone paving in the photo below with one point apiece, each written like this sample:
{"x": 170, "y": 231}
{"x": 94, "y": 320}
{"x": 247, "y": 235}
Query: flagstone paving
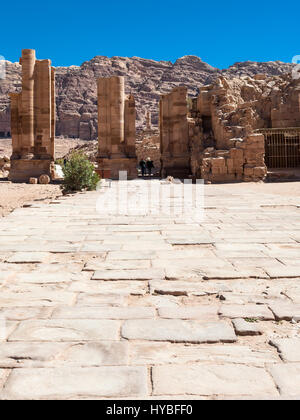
{"x": 95, "y": 304}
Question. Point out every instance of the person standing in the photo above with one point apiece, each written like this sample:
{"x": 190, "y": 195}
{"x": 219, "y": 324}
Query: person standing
{"x": 142, "y": 165}
{"x": 149, "y": 165}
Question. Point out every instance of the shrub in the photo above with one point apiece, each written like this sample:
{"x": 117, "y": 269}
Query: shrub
{"x": 59, "y": 162}
{"x": 79, "y": 174}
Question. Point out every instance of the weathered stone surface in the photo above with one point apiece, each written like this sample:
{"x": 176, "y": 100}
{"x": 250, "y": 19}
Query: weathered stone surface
{"x": 21, "y": 314}
{"x": 66, "y": 330}
{"x": 40, "y": 298}
{"x": 283, "y": 271}
{"x": 287, "y": 378}
{"x": 286, "y": 310}
{"x": 288, "y": 348}
{"x": 212, "y": 380}
{"x": 129, "y": 274}
{"x": 96, "y": 312}
{"x": 168, "y": 353}
{"x": 51, "y": 354}
{"x": 3, "y": 376}
{"x": 120, "y": 265}
{"x": 28, "y": 257}
{"x": 178, "y": 331}
{"x": 243, "y": 327}
{"x": 246, "y": 311}
{"x": 62, "y": 383}
{"x": 204, "y": 312}
{"x": 122, "y": 287}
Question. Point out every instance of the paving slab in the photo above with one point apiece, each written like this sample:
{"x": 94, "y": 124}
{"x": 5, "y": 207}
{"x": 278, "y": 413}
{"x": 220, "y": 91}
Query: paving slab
{"x": 204, "y": 312}
{"x": 288, "y": 348}
{"x": 154, "y": 353}
{"x": 72, "y": 382}
{"x": 98, "y": 312}
{"x": 246, "y": 311}
{"x": 178, "y": 331}
{"x": 121, "y": 287}
{"x": 285, "y": 310}
{"x": 243, "y": 327}
{"x": 210, "y": 379}
{"x": 117, "y": 265}
{"x": 54, "y": 354}
{"x": 287, "y": 378}
{"x": 66, "y": 330}
{"x": 28, "y": 257}
{"x": 129, "y": 274}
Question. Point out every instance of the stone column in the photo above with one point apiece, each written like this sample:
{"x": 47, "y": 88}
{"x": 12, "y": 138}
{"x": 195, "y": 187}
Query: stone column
{"x": 33, "y": 120}
{"x": 117, "y": 108}
{"x": 174, "y": 134}
{"x": 53, "y": 115}
{"x": 104, "y": 139}
{"x": 27, "y": 107}
{"x": 129, "y": 123}
{"x": 42, "y": 109}
{"x": 15, "y": 124}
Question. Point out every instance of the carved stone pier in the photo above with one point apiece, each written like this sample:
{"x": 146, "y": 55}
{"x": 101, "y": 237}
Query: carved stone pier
{"x": 33, "y": 120}
{"x": 116, "y": 129}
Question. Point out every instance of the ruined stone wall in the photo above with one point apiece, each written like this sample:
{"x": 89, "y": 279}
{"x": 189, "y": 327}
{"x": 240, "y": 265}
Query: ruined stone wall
{"x": 229, "y": 112}
{"x": 5, "y": 123}
{"x": 244, "y": 161}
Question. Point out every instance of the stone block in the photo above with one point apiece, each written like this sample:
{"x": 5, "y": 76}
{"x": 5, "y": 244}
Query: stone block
{"x": 246, "y": 311}
{"x": 44, "y": 179}
{"x": 212, "y": 379}
{"x": 288, "y": 348}
{"x": 178, "y": 331}
{"x": 77, "y": 382}
{"x": 243, "y": 327}
{"x": 66, "y": 330}
{"x": 287, "y": 379}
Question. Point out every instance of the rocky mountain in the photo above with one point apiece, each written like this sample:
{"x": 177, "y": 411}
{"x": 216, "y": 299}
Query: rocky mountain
{"x": 146, "y": 79}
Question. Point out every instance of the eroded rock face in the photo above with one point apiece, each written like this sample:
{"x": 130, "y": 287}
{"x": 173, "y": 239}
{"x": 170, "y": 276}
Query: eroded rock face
{"x": 146, "y": 79}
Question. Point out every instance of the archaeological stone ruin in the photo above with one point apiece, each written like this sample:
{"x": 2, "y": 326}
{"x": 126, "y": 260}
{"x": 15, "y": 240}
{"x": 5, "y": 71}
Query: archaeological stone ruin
{"x": 234, "y": 129}
{"x": 33, "y": 120}
{"x": 116, "y": 129}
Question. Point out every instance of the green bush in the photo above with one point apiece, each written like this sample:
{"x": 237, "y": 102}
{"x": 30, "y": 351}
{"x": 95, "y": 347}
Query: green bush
{"x": 59, "y": 162}
{"x": 79, "y": 174}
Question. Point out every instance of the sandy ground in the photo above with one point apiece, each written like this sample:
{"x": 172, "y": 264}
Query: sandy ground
{"x": 62, "y": 146}
{"x": 16, "y": 195}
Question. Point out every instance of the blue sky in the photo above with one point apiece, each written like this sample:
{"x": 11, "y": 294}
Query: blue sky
{"x": 219, "y": 32}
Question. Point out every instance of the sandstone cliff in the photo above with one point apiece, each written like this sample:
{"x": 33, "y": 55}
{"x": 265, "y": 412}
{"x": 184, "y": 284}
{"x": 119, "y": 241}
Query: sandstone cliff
{"x": 145, "y": 79}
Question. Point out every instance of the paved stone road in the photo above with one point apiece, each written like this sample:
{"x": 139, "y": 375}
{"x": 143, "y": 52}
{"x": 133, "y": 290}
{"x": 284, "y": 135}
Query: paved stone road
{"x": 101, "y": 306}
